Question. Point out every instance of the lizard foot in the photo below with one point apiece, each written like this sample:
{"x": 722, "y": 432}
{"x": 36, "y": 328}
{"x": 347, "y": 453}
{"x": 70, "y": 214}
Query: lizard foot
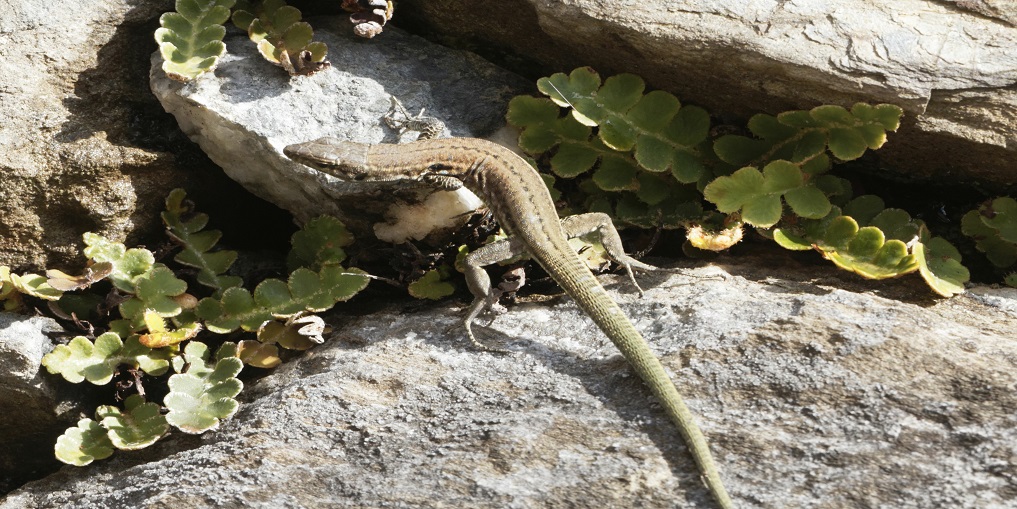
{"x": 428, "y": 127}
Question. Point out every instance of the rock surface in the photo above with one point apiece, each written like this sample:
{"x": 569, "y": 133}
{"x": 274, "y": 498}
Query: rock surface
{"x": 950, "y": 65}
{"x": 83, "y": 144}
{"x": 28, "y": 399}
{"x": 816, "y": 389}
{"x": 244, "y": 113}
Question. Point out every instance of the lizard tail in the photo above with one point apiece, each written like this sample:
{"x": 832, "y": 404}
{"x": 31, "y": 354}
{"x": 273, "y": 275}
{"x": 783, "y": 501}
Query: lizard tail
{"x": 590, "y": 296}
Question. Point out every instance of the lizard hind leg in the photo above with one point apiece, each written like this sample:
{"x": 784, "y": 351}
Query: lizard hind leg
{"x": 479, "y": 282}
{"x": 580, "y": 225}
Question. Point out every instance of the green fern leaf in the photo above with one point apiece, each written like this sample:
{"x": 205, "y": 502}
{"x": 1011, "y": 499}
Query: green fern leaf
{"x": 190, "y": 39}
{"x": 81, "y": 445}
{"x": 202, "y": 396}
{"x": 138, "y": 426}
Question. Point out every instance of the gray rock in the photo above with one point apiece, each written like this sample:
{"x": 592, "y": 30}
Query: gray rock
{"x": 29, "y": 419}
{"x": 950, "y": 65}
{"x": 85, "y": 146}
{"x": 815, "y": 388}
{"x": 244, "y": 113}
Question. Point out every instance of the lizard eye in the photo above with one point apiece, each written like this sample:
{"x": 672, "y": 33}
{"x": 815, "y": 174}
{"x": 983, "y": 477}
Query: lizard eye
{"x": 437, "y": 167}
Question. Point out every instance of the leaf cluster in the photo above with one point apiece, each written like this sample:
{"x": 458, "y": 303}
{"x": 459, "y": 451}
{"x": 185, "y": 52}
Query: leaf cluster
{"x": 136, "y": 426}
{"x": 82, "y": 359}
{"x": 188, "y": 230}
{"x": 797, "y": 149}
{"x": 191, "y": 38}
{"x": 304, "y": 290}
{"x": 201, "y": 396}
{"x": 13, "y": 286}
{"x": 148, "y": 286}
{"x": 298, "y": 332}
{"x": 878, "y": 243}
{"x": 281, "y": 37}
{"x": 648, "y": 160}
{"x": 203, "y": 390}
{"x": 51, "y": 287}
{"x": 993, "y": 226}
{"x": 804, "y": 137}
{"x": 317, "y": 283}
{"x": 157, "y": 314}
{"x": 319, "y": 243}
{"x": 432, "y": 285}
{"x": 647, "y": 150}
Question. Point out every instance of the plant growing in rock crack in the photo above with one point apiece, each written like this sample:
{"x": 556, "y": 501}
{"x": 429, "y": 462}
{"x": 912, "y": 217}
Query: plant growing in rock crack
{"x": 157, "y": 314}
{"x": 191, "y": 38}
{"x": 13, "y": 286}
{"x": 993, "y": 227}
{"x": 649, "y": 161}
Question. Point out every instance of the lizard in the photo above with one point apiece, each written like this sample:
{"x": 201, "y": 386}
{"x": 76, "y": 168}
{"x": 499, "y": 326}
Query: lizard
{"x": 521, "y": 204}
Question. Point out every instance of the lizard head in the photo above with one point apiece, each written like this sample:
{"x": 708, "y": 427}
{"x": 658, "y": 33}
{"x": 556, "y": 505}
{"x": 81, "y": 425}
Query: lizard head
{"x": 346, "y": 160}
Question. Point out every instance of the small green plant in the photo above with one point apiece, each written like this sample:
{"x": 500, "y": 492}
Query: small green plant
{"x": 993, "y": 227}
{"x": 191, "y": 39}
{"x": 157, "y": 316}
{"x": 649, "y": 161}
{"x": 96, "y": 362}
{"x": 149, "y": 286}
{"x": 317, "y": 282}
{"x": 281, "y": 37}
{"x": 188, "y": 230}
{"x": 13, "y": 285}
{"x": 432, "y": 285}
{"x": 160, "y": 336}
{"x": 81, "y": 445}
{"x": 201, "y": 396}
{"x": 877, "y": 243}
{"x": 642, "y": 139}
{"x": 138, "y": 425}
{"x": 757, "y": 195}
{"x": 10, "y": 297}
{"x": 52, "y": 288}
{"x": 299, "y": 332}
{"x": 319, "y": 243}
{"x": 305, "y": 290}
{"x": 201, "y": 393}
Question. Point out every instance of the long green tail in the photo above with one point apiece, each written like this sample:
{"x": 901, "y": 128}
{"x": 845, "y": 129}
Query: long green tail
{"x": 583, "y": 287}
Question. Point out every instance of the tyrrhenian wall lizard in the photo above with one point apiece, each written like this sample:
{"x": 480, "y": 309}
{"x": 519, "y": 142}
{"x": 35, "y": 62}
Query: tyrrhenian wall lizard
{"x": 522, "y": 205}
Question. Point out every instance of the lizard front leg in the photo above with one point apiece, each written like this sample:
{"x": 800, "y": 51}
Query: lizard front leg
{"x": 486, "y": 296}
{"x": 428, "y": 127}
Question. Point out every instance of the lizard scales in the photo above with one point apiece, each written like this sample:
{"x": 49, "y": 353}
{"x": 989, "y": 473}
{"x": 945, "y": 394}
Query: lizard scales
{"x": 522, "y": 205}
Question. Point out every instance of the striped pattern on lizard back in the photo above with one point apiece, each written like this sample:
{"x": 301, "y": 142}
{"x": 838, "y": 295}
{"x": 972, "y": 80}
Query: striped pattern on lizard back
{"x": 522, "y": 204}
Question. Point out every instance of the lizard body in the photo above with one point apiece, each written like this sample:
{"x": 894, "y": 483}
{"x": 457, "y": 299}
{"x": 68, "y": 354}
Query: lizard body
{"x": 522, "y": 205}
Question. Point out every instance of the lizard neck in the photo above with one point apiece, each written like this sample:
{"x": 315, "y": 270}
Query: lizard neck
{"x": 507, "y": 184}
